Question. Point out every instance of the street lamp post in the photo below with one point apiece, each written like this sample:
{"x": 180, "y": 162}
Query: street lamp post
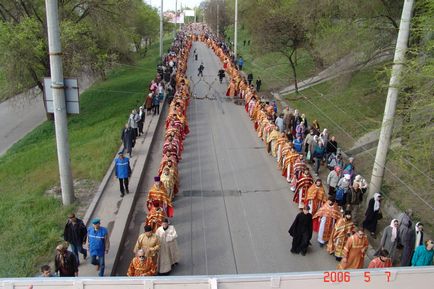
{"x": 60, "y": 117}
{"x": 161, "y": 29}
{"x": 236, "y": 28}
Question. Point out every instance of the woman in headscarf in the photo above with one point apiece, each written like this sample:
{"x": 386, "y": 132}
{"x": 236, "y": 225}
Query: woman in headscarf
{"x": 316, "y": 128}
{"x": 372, "y": 214}
{"x": 390, "y": 237}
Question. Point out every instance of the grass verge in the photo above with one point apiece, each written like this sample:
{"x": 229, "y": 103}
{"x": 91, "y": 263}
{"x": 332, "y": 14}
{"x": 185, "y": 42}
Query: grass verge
{"x": 348, "y": 106}
{"x": 351, "y": 106}
{"x": 273, "y": 68}
{"x": 31, "y": 222}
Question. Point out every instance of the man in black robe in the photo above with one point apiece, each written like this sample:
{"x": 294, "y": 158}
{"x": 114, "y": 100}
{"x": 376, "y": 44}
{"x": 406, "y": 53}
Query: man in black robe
{"x": 127, "y": 139}
{"x": 301, "y": 231}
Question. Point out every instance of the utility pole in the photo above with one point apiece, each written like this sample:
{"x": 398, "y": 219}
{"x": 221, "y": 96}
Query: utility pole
{"x": 218, "y": 26}
{"x": 392, "y": 97}
{"x": 176, "y": 18}
{"x": 236, "y": 29}
{"x": 60, "y": 117}
{"x": 161, "y": 30}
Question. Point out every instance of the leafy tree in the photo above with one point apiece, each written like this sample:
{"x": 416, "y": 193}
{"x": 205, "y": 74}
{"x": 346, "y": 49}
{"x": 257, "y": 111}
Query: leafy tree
{"x": 94, "y": 33}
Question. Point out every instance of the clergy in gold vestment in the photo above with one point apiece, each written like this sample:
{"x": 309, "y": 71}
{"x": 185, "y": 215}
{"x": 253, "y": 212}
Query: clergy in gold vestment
{"x": 315, "y": 198}
{"x": 343, "y": 229}
{"x": 150, "y": 244}
{"x": 141, "y": 266}
{"x": 155, "y": 216}
{"x": 354, "y": 251}
{"x": 168, "y": 181}
{"x": 328, "y": 215}
{"x": 158, "y": 192}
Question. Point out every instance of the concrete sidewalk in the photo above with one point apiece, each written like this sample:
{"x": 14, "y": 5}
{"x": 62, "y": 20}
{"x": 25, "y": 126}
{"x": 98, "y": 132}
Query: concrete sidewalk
{"x": 114, "y": 211}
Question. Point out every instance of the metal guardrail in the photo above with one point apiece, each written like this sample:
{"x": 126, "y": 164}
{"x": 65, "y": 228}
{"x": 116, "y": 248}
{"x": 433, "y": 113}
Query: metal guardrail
{"x": 397, "y": 278}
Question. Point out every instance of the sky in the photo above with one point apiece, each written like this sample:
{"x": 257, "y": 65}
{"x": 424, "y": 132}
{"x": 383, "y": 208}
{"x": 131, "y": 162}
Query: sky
{"x": 170, "y": 4}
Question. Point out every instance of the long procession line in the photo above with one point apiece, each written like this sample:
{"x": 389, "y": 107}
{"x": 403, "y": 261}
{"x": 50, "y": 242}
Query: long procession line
{"x": 385, "y": 167}
{"x": 366, "y": 130}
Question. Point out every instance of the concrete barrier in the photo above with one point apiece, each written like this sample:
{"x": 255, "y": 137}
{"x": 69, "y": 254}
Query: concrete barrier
{"x": 397, "y": 278}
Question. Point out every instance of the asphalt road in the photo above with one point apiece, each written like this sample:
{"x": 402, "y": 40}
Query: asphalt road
{"x": 234, "y": 208}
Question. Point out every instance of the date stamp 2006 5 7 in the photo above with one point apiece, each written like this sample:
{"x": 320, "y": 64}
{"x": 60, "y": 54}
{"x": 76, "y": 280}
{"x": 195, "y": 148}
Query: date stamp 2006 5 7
{"x": 345, "y": 276}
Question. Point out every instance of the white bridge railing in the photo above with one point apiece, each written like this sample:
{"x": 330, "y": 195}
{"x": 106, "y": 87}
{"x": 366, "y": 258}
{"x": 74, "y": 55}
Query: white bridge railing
{"x": 396, "y": 278}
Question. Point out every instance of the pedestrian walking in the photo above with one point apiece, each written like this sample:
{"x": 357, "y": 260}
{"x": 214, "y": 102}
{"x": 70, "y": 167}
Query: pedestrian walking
{"x": 127, "y": 139}
{"x": 327, "y": 217}
{"x": 150, "y": 244}
{"x": 405, "y": 224}
{"x": 318, "y": 155}
{"x": 343, "y": 229}
{"x": 221, "y": 75}
{"x": 354, "y": 251}
{"x": 98, "y": 244}
{"x": 342, "y": 190}
{"x": 46, "y": 271}
{"x": 75, "y": 234}
{"x": 156, "y": 103}
{"x": 240, "y": 63}
{"x": 65, "y": 262}
{"x": 250, "y": 78}
{"x": 122, "y": 172}
{"x": 148, "y": 103}
{"x": 390, "y": 238}
{"x": 140, "y": 265}
{"x": 279, "y": 122}
{"x": 332, "y": 181}
{"x": 423, "y": 256}
{"x": 169, "y": 252}
{"x": 354, "y": 198}
{"x": 419, "y": 235}
{"x": 133, "y": 120}
{"x": 407, "y": 242}
{"x": 200, "y": 69}
{"x": 258, "y": 84}
{"x": 381, "y": 261}
{"x": 301, "y": 231}
{"x": 142, "y": 120}
{"x": 373, "y": 214}
{"x": 160, "y": 91}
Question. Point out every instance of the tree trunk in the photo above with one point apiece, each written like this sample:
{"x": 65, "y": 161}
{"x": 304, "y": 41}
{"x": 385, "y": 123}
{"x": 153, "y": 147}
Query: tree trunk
{"x": 294, "y": 70}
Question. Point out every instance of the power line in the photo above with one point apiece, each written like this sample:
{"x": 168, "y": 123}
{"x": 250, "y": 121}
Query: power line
{"x": 385, "y": 167}
{"x": 367, "y": 130}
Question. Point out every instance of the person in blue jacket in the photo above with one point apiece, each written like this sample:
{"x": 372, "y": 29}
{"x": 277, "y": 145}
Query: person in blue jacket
{"x": 98, "y": 244}
{"x": 298, "y": 144}
{"x": 122, "y": 172}
{"x": 423, "y": 256}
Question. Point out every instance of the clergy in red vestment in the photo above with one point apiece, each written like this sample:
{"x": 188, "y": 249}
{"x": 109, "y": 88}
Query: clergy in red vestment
{"x": 304, "y": 182}
{"x": 328, "y": 215}
{"x": 315, "y": 198}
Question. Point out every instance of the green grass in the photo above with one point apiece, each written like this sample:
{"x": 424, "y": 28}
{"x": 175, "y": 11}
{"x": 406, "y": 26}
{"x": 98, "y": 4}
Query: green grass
{"x": 31, "y": 223}
{"x": 273, "y": 68}
{"x": 351, "y": 106}
{"x": 348, "y": 106}
{"x": 3, "y": 90}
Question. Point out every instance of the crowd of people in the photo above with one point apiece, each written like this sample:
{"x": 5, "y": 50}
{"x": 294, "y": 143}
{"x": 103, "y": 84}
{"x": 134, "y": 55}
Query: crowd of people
{"x": 333, "y": 209}
{"x": 156, "y": 250}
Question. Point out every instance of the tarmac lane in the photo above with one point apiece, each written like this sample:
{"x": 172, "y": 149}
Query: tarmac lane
{"x": 234, "y": 209}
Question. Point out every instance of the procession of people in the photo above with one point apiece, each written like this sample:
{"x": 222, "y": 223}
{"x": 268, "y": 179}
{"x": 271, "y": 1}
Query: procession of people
{"x": 330, "y": 207}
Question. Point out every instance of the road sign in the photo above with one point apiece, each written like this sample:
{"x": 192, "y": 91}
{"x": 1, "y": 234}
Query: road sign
{"x": 71, "y": 95}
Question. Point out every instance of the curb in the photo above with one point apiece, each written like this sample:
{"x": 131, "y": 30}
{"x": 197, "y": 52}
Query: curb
{"x": 91, "y": 209}
{"x": 117, "y": 235}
